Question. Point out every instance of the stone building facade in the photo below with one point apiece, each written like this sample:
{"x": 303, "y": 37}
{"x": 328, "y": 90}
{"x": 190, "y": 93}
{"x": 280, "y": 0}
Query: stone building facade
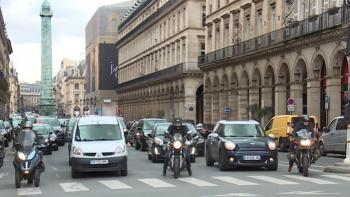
{"x": 5, "y": 51}
{"x": 31, "y": 96}
{"x": 158, "y": 75}
{"x": 262, "y": 52}
{"x": 13, "y": 89}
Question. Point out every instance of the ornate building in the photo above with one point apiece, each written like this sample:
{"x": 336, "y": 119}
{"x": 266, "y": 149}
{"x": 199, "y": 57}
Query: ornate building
{"x": 14, "y": 89}
{"x": 31, "y": 96}
{"x": 5, "y": 51}
{"x": 262, "y": 52}
{"x": 158, "y": 75}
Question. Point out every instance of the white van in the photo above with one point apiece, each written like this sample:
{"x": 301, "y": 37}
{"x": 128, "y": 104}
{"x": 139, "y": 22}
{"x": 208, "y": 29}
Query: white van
{"x": 98, "y": 144}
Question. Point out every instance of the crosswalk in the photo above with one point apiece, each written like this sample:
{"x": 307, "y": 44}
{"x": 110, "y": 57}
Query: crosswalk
{"x": 167, "y": 182}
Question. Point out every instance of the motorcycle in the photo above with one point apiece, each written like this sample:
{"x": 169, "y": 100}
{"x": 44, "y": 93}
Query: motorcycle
{"x": 177, "y": 161}
{"x": 28, "y": 165}
{"x": 304, "y": 154}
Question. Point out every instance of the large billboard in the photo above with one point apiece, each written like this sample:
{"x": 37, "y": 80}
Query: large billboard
{"x": 108, "y": 62}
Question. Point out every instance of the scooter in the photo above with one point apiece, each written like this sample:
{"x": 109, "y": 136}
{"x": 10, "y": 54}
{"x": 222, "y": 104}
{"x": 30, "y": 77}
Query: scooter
{"x": 28, "y": 166}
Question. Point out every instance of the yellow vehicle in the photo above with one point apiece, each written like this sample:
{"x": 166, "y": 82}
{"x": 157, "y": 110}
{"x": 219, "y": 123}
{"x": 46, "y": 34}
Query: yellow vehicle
{"x": 279, "y": 125}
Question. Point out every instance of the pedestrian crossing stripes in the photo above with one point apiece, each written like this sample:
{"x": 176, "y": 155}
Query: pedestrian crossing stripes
{"x": 214, "y": 181}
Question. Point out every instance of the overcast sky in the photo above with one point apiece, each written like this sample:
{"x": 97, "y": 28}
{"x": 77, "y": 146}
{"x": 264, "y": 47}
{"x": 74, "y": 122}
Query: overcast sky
{"x": 68, "y": 28}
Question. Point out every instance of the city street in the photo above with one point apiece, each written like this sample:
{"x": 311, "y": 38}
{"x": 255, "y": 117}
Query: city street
{"x": 144, "y": 178}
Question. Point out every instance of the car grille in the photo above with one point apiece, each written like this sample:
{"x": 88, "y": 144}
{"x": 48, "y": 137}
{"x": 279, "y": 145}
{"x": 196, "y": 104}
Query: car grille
{"x": 252, "y": 149}
{"x": 90, "y": 154}
{"x": 108, "y": 153}
{"x": 112, "y": 165}
{"x": 103, "y": 154}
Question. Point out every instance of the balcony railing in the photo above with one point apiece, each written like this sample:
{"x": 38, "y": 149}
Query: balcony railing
{"x": 324, "y": 21}
{"x": 159, "y": 75}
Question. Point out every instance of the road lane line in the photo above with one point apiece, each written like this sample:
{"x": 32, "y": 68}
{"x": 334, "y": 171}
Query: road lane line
{"x": 333, "y": 176}
{"x": 310, "y": 180}
{"x": 310, "y": 169}
{"x": 115, "y": 184}
{"x": 156, "y": 183}
{"x": 234, "y": 181}
{"x": 197, "y": 182}
{"x": 317, "y": 166}
{"x": 274, "y": 180}
{"x": 29, "y": 191}
{"x": 73, "y": 187}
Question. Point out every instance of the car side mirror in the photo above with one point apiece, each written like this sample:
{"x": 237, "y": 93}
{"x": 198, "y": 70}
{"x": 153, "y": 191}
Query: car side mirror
{"x": 139, "y": 129}
{"x": 149, "y": 135}
{"x": 325, "y": 130}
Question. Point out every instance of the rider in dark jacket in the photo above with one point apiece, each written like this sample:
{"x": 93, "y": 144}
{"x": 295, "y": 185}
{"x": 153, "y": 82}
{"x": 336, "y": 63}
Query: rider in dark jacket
{"x": 177, "y": 127}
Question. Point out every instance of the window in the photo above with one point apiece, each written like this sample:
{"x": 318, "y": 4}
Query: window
{"x": 247, "y": 27}
{"x": 76, "y": 86}
{"x": 218, "y": 4}
{"x": 269, "y": 125}
{"x": 203, "y": 16}
{"x": 243, "y": 130}
{"x": 259, "y": 22}
{"x": 202, "y": 49}
{"x": 342, "y": 124}
{"x": 76, "y": 98}
{"x": 332, "y": 125}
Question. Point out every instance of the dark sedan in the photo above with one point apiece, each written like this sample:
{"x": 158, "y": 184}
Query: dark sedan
{"x": 144, "y": 128}
{"x": 57, "y": 127}
{"x": 240, "y": 143}
{"x": 43, "y": 141}
{"x": 157, "y": 147}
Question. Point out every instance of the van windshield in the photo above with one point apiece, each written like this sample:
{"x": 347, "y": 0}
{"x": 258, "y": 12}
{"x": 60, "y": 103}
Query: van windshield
{"x": 100, "y": 132}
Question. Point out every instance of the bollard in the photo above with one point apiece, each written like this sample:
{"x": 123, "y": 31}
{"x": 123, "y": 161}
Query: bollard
{"x": 347, "y": 159}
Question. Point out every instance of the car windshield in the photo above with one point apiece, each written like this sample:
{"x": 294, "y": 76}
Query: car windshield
{"x": 191, "y": 128}
{"x": 149, "y": 124}
{"x": 161, "y": 129}
{"x": 51, "y": 121}
{"x": 61, "y": 120}
{"x": 7, "y": 124}
{"x": 40, "y": 130}
{"x": 122, "y": 123}
{"x": 49, "y": 128}
{"x": 243, "y": 130}
{"x": 71, "y": 122}
{"x": 296, "y": 121}
{"x": 98, "y": 132}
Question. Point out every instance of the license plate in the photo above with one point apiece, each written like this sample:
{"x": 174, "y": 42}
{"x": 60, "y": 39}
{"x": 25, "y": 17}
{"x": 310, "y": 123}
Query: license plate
{"x": 254, "y": 158}
{"x": 96, "y": 162}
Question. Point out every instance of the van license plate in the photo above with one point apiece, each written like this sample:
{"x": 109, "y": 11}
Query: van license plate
{"x": 254, "y": 158}
{"x": 96, "y": 162}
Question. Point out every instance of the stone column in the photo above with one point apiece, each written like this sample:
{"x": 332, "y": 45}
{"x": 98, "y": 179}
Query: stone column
{"x": 266, "y": 94}
{"x": 234, "y": 104}
{"x": 222, "y": 28}
{"x": 333, "y": 90}
{"x": 213, "y": 38}
{"x": 280, "y": 99}
{"x": 313, "y": 98}
{"x": 296, "y": 93}
{"x": 223, "y": 103}
{"x": 243, "y": 104}
{"x": 253, "y": 99}
{"x": 215, "y": 108}
{"x": 207, "y": 107}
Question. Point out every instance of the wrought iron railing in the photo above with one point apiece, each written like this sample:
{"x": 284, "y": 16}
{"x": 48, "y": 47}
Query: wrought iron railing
{"x": 161, "y": 74}
{"x": 330, "y": 19}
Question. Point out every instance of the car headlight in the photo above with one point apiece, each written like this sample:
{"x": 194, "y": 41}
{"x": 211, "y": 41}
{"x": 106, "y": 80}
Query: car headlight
{"x": 158, "y": 141}
{"x": 305, "y": 142}
{"x": 230, "y": 145}
{"x": 137, "y": 134}
{"x": 193, "y": 151}
{"x": 77, "y": 151}
{"x": 31, "y": 155}
{"x": 46, "y": 140}
{"x": 21, "y": 156}
{"x": 271, "y": 145}
{"x": 177, "y": 145}
{"x": 53, "y": 137}
{"x": 120, "y": 150}
{"x": 188, "y": 142}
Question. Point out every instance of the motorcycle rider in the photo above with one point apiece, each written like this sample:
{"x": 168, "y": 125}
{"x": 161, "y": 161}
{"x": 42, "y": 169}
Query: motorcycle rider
{"x": 25, "y": 132}
{"x": 306, "y": 124}
{"x": 177, "y": 127}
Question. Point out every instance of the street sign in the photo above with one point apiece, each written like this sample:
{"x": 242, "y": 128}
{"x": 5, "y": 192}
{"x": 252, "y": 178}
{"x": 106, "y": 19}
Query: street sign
{"x": 291, "y": 105}
{"x": 326, "y": 102}
{"x": 227, "y": 110}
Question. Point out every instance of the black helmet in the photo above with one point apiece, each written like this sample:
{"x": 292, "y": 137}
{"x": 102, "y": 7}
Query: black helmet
{"x": 28, "y": 125}
{"x": 305, "y": 118}
{"x": 177, "y": 122}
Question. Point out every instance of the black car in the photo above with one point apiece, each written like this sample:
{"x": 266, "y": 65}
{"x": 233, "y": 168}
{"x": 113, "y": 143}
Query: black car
{"x": 53, "y": 137}
{"x": 197, "y": 149}
{"x": 144, "y": 128}
{"x": 5, "y": 133}
{"x": 240, "y": 143}
{"x": 57, "y": 127}
{"x": 68, "y": 130}
{"x": 156, "y": 147}
{"x": 43, "y": 142}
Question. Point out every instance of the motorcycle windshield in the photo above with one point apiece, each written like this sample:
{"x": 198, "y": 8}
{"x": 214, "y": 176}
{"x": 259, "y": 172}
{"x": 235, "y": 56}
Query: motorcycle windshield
{"x": 177, "y": 137}
{"x": 304, "y": 133}
{"x": 26, "y": 140}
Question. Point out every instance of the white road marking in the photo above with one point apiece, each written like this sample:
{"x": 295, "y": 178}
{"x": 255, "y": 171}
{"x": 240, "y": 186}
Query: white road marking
{"x": 3, "y": 175}
{"x": 298, "y": 193}
{"x": 234, "y": 181}
{"x": 237, "y": 195}
{"x": 54, "y": 168}
{"x": 313, "y": 165}
{"x": 58, "y": 176}
{"x": 333, "y": 176}
{"x": 274, "y": 180}
{"x": 310, "y": 169}
{"x": 156, "y": 183}
{"x": 310, "y": 180}
{"x": 197, "y": 182}
{"x": 73, "y": 187}
{"x": 115, "y": 184}
{"x": 29, "y": 191}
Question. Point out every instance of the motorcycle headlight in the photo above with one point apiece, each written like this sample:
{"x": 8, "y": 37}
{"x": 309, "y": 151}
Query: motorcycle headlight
{"x": 21, "y": 156}
{"x": 305, "y": 142}
{"x": 31, "y": 155}
{"x": 177, "y": 145}
{"x": 230, "y": 145}
{"x": 77, "y": 151}
{"x": 158, "y": 141}
{"x": 271, "y": 145}
{"x": 120, "y": 150}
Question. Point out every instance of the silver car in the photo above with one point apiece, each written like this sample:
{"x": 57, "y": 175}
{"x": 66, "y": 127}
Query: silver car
{"x": 333, "y": 139}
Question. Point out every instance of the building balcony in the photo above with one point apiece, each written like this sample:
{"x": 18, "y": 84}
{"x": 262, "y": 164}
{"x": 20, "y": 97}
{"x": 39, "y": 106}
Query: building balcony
{"x": 336, "y": 17}
{"x": 179, "y": 69}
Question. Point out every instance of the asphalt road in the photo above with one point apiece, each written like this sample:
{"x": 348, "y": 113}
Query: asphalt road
{"x": 144, "y": 179}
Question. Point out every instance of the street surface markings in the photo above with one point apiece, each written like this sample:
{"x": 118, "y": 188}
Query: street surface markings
{"x": 73, "y": 187}
{"x": 29, "y": 191}
{"x": 333, "y": 176}
{"x": 156, "y": 183}
{"x": 274, "y": 180}
{"x": 310, "y": 169}
{"x": 196, "y": 182}
{"x": 115, "y": 184}
{"x": 234, "y": 181}
{"x": 237, "y": 195}
{"x": 310, "y": 180}
{"x": 298, "y": 193}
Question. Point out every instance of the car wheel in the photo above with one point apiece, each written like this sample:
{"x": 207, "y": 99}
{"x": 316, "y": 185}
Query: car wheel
{"x": 149, "y": 156}
{"x": 137, "y": 146}
{"x": 154, "y": 159}
{"x": 30, "y": 181}
{"x": 283, "y": 145}
{"x": 273, "y": 167}
{"x": 124, "y": 172}
{"x": 1, "y": 162}
{"x": 222, "y": 164}
{"x": 18, "y": 179}
{"x": 208, "y": 160}
{"x": 322, "y": 150}
{"x": 143, "y": 148}
{"x": 37, "y": 178}
{"x": 74, "y": 174}
{"x": 69, "y": 162}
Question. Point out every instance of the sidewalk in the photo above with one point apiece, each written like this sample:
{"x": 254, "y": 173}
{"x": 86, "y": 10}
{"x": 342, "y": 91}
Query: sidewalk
{"x": 338, "y": 168}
